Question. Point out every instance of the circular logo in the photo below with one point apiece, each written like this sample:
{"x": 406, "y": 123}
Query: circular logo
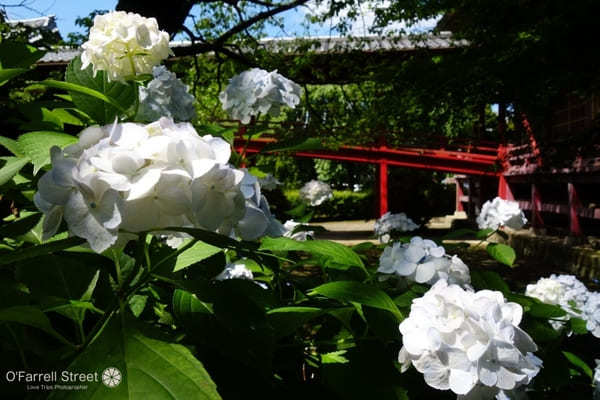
{"x": 111, "y": 377}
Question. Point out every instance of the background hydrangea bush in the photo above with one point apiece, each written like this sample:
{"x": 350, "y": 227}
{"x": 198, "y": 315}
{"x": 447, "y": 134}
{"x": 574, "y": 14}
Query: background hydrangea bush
{"x": 143, "y": 244}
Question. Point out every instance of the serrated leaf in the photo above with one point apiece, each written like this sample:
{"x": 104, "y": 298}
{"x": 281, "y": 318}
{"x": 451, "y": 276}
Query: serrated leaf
{"x": 502, "y": 253}
{"x": 36, "y": 146}
{"x": 12, "y": 146}
{"x": 335, "y": 253}
{"x": 198, "y": 252}
{"x": 356, "y": 292}
{"x": 95, "y": 95}
{"x": 150, "y": 368}
{"x": 11, "y": 166}
{"x": 578, "y": 326}
{"x": 137, "y": 303}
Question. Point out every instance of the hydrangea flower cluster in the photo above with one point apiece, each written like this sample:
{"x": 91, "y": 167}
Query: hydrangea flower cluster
{"x": 236, "y": 270}
{"x": 393, "y": 222}
{"x": 131, "y": 177}
{"x": 124, "y": 44}
{"x": 257, "y": 91}
{"x": 290, "y": 226}
{"x": 423, "y": 261}
{"x": 499, "y": 212}
{"x": 468, "y": 342}
{"x": 315, "y": 192}
{"x": 591, "y": 314}
{"x": 571, "y": 295}
{"x": 165, "y": 96}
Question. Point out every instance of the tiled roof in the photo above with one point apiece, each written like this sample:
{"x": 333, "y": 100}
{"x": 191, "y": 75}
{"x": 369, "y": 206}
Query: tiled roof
{"x": 317, "y": 44}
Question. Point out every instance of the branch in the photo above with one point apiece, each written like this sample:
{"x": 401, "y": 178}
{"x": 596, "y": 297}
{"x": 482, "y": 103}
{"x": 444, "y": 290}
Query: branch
{"x": 217, "y": 45}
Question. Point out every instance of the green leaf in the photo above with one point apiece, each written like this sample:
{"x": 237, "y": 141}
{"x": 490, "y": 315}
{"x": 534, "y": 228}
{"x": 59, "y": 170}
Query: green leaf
{"x": 8, "y": 73}
{"x": 12, "y": 145}
{"x": 484, "y": 233}
{"x": 137, "y": 303}
{"x": 579, "y": 363}
{"x": 351, "y": 291}
{"x": 150, "y": 368}
{"x": 337, "y": 254}
{"x": 502, "y": 253}
{"x": 286, "y": 320}
{"x": 94, "y": 95}
{"x": 30, "y": 316}
{"x": 36, "y": 146}
{"x": 459, "y": 234}
{"x": 20, "y": 226}
{"x": 35, "y": 251}
{"x": 542, "y": 310}
{"x": 578, "y": 326}
{"x": 11, "y": 167}
{"x": 482, "y": 279}
{"x": 18, "y": 55}
{"x": 335, "y": 357}
{"x": 198, "y": 252}
{"x": 186, "y": 304}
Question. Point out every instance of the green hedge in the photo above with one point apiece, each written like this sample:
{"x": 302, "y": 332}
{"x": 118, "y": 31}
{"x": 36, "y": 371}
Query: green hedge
{"x": 345, "y": 205}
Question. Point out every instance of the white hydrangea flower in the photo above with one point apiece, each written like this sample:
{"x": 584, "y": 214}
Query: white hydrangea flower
{"x": 124, "y": 44}
{"x": 591, "y": 314}
{"x": 257, "y": 91}
{"x": 268, "y": 182}
{"x": 236, "y": 270}
{"x": 165, "y": 96}
{"x": 315, "y": 192}
{"x": 393, "y": 222}
{"x": 423, "y": 261}
{"x": 499, "y": 212}
{"x": 468, "y": 342}
{"x": 290, "y": 225}
{"x": 127, "y": 178}
{"x": 566, "y": 291}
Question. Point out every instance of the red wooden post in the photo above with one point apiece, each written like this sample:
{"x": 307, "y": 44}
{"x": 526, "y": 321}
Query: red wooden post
{"x": 459, "y": 195}
{"x": 504, "y": 191}
{"x": 383, "y": 188}
{"x": 574, "y": 205}
{"x": 536, "y": 207}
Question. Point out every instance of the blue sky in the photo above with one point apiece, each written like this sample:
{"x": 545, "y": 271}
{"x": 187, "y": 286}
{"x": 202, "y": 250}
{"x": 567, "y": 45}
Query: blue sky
{"x": 67, "y": 11}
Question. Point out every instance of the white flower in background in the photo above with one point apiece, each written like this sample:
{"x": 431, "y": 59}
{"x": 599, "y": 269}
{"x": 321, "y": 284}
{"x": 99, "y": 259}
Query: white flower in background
{"x": 393, "y": 222}
{"x": 268, "y": 182}
{"x": 124, "y": 44}
{"x": 127, "y": 178}
{"x": 236, "y": 270}
{"x": 315, "y": 192}
{"x": 258, "y": 91}
{"x": 290, "y": 225}
{"x": 566, "y": 291}
{"x": 499, "y": 212}
{"x": 165, "y": 96}
{"x": 591, "y": 314}
{"x": 423, "y": 261}
{"x": 468, "y": 342}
